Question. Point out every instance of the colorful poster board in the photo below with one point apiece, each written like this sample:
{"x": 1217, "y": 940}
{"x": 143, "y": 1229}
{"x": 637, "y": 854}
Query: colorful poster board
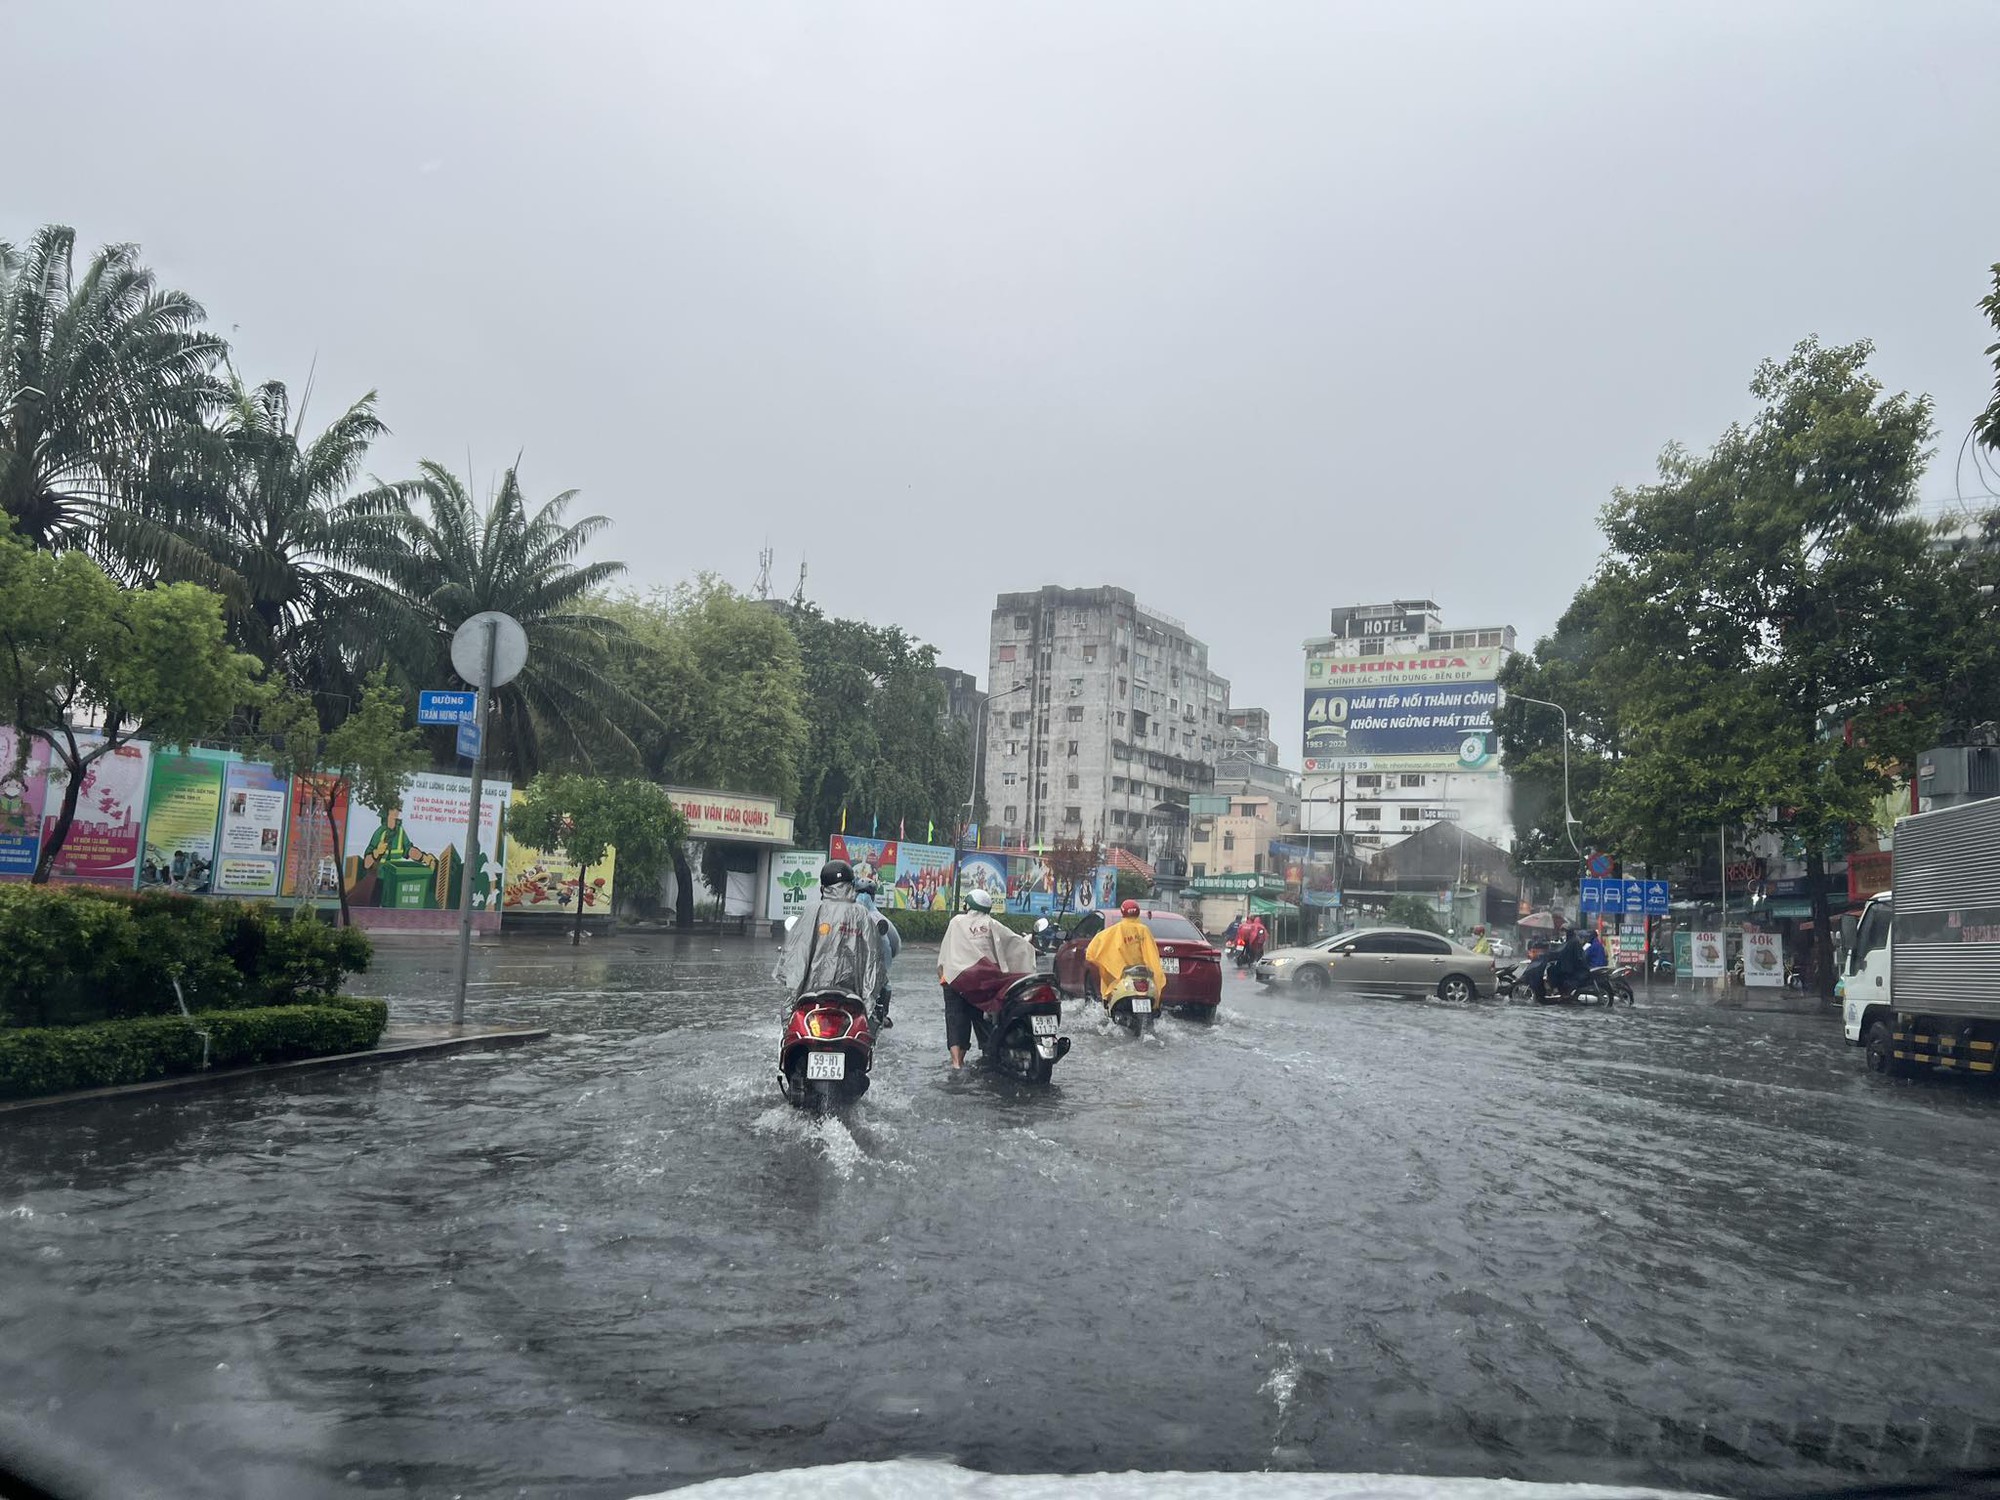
{"x": 252, "y": 841}
{"x": 923, "y": 877}
{"x": 105, "y": 840}
{"x": 1763, "y": 960}
{"x": 794, "y": 879}
{"x": 183, "y": 809}
{"x": 23, "y": 789}
{"x": 873, "y": 859}
{"x": 410, "y": 857}
{"x": 312, "y": 852}
{"x": 984, "y": 872}
{"x": 543, "y": 884}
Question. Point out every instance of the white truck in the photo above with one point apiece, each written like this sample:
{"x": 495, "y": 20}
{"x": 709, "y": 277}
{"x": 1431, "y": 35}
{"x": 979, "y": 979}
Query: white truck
{"x": 1922, "y": 981}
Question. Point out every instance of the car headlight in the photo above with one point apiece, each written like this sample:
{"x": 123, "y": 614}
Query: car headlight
{"x": 1277, "y": 963}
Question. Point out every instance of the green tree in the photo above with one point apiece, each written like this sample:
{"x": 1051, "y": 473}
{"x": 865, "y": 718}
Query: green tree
{"x": 1987, "y": 425}
{"x": 878, "y": 739}
{"x": 373, "y": 752}
{"x": 1413, "y": 911}
{"x": 1772, "y": 623}
{"x": 586, "y": 817}
{"x": 99, "y": 374}
{"x": 461, "y": 559}
{"x": 78, "y": 649}
{"x": 281, "y": 515}
{"x": 1132, "y": 886}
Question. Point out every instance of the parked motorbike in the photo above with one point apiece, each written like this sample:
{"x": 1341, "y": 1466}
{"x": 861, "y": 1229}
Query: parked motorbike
{"x": 826, "y": 1052}
{"x": 1019, "y": 1029}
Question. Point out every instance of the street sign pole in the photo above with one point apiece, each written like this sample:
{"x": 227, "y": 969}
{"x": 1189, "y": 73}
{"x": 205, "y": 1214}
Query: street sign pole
{"x": 471, "y": 861}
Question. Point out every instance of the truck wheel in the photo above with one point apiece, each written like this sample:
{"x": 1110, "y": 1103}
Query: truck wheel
{"x": 1882, "y": 1052}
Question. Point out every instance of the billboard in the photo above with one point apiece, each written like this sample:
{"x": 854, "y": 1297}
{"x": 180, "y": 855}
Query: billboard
{"x": 253, "y": 831}
{"x": 731, "y": 817}
{"x": 104, "y": 841}
{"x": 183, "y": 808}
{"x": 23, "y": 789}
{"x": 410, "y": 857}
{"x": 923, "y": 878}
{"x": 984, "y": 872}
{"x": 794, "y": 879}
{"x": 873, "y": 859}
{"x": 1448, "y": 726}
{"x": 539, "y": 883}
{"x": 1482, "y": 665}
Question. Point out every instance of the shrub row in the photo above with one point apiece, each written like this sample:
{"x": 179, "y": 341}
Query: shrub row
{"x": 53, "y": 1059}
{"x": 928, "y": 926}
{"x": 70, "y": 955}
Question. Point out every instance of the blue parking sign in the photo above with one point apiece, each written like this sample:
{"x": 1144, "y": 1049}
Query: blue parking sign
{"x": 1614, "y": 896}
{"x": 1657, "y": 895}
{"x": 1591, "y": 893}
{"x": 1635, "y": 896}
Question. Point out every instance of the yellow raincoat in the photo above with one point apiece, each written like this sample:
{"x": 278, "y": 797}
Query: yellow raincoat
{"x": 1125, "y": 944}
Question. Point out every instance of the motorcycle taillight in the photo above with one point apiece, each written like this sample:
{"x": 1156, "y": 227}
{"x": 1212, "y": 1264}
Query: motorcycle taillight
{"x": 1142, "y": 985}
{"x": 826, "y": 1023}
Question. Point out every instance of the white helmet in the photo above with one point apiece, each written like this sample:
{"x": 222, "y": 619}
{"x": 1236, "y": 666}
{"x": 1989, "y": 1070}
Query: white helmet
{"x": 979, "y": 899}
{"x": 1041, "y": 924}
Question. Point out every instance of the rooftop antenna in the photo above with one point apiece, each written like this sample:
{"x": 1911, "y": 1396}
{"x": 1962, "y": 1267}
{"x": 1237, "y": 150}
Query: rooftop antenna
{"x": 764, "y": 560}
{"x": 799, "y": 593}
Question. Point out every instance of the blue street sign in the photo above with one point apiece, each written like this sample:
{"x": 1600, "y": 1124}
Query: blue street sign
{"x": 1614, "y": 896}
{"x": 1656, "y": 898}
{"x": 1635, "y": 896}
{"x": 437, "y": 707}
{"x": 468, "y": 739}
{"x": 1592, "y": 894}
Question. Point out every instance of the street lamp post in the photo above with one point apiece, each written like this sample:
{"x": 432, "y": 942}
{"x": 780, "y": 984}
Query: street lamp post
{"x": 972, "y": 786}
{"x": 1569, "y": 818}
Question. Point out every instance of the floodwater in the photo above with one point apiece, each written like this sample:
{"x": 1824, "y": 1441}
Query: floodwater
{"x": 1671, "y": 1245}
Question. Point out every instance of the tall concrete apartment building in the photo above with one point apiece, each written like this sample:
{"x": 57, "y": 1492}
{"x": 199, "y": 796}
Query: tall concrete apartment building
{"x": 1102, "y": 719}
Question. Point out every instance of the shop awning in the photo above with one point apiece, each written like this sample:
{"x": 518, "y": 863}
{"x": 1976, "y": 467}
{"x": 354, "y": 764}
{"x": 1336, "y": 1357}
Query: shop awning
{"x": 1259, "y": 907}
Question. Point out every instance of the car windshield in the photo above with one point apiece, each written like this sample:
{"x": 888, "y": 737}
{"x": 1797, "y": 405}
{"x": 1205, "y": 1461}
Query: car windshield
{"x": 515, "y": 516}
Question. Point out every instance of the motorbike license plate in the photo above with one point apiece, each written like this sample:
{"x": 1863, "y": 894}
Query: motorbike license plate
{"x": 826, "y": 1065}
{"x": 1045, "y": 1025}
{"x": 1171, "y": 965}
{"x": 1142, "y": 1005}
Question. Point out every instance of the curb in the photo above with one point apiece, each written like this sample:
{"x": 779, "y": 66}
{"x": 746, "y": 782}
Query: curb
{"x": 389, "y": 1050}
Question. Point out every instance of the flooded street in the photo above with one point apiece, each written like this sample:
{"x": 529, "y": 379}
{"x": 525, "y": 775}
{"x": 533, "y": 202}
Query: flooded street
{"x": 1674, "y": 1245}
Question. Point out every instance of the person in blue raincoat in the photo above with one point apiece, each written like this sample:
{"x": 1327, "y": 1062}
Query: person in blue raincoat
{"x": 891, "y": 943}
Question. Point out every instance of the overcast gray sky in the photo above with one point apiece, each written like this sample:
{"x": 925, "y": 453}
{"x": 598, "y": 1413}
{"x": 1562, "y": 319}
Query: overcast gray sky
{"x": 1253, "y": 309}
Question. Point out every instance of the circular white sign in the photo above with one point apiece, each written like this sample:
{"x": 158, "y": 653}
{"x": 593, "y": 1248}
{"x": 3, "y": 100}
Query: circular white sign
{"x": 510, "y": 648}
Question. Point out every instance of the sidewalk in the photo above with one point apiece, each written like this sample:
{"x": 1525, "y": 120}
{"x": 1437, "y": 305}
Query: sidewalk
{"x": 400, "y": 1042}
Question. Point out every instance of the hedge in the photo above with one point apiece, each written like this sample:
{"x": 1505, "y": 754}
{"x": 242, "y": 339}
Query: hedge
{"x": 928, "y": 926}
{"x": 71, "y": 955}
{"x": 54, "y": 1059}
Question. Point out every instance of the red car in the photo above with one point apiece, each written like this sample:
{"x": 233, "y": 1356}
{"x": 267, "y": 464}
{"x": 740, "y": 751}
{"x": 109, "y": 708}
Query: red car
{"x": 1192, "y": 962}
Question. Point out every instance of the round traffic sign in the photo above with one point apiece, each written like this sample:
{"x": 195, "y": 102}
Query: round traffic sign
{"x": 1600, "y": 864}
{"x": 510, "y": 648}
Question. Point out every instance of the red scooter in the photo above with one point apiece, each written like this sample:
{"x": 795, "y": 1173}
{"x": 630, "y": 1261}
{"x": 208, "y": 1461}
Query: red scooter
{"x": 827, "y": 1050}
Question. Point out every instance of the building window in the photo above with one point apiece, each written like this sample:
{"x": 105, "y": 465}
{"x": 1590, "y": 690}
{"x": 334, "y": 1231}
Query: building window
{"x": 1006, "y": 654}
{"x": 1074, "y": 716}
{"x": 1072, "y": 751}
{"x": 1014, "y": 721}
{"x": 1121, "y": 725}
{"x": 1117, "y": 785}
{"x": 1117, "y": 818}
{"x": 1074, "y": 783}
{"x": 1199, "y": 870}
{"x": 1075, "y": 688}
{"x": 1013, "y": 748}
{"x": 1228, "y": 840}
{"x": 1368, "y": 648}
{"x": 1007, "y": 778}
{"x": 1138, "y": 726}
{"x": 1020, "y": 623}
{"x": 1041, "y": 761}
{"x": 1361, "y": 814}
{"x": 1089, "y": 654}
{"x": 1070, "y": 815}
{"x": 1123, "y": 688}
{"x": 1200, "y": 834}
{"x": 1009, "y": 814}
{"x": 1407, "y": 814}
{"x": 1410, "y": 778}
{"x": 1367, "y": 779}
{"x": 1042, "y": 789}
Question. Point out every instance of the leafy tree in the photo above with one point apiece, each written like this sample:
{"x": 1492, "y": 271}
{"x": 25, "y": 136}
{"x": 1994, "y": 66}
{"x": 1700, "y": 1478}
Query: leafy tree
{"x": 281, "y": 515}
{"x": 77, "y": 649}
{"x": 373, "y": 751}
{"x": 1771, "y": 625}
{"x": 1413, "y": 911}
{"x": 878, "y": 742}
{"x": 98, "y": 374}
{"x": 1132, "y": 886}
{"x": 461, "y": 559}
{"x": 1987, "y": 424}
{"x": 585, "y": 817}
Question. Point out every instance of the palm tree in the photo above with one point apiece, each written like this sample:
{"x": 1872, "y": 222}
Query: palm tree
{"x": 278, "y": 514}
{"x": 459, "y": 560}
{"x": 98, "y": 376}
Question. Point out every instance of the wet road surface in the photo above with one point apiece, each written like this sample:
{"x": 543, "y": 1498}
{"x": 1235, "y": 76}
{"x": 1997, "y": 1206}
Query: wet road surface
{"x": 1670, "y": 1245}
